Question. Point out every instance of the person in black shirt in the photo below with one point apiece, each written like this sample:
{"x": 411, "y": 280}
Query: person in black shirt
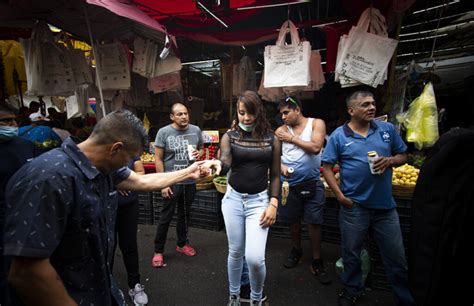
{"x": 14, "y": 152}
{"x": 251, "y": 152}
{"x": 61, "y": 208}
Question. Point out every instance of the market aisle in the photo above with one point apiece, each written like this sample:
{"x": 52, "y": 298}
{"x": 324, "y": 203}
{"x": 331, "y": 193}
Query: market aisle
{"x": 202, "y": 280}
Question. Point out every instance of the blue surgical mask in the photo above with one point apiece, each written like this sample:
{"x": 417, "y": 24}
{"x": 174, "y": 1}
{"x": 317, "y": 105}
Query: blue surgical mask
{"x": 246, "y": 127}
{"x": 8, "y": 132}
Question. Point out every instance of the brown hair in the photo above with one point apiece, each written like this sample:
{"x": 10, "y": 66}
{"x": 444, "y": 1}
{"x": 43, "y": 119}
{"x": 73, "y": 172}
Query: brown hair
{"x": 254, "y": 106}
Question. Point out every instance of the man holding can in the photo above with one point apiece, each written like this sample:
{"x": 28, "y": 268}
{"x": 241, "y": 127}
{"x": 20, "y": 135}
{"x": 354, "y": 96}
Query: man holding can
{"x": 366, "y": 199}
{"x": 302, "y": 139}
{"x": 176, "y": 146}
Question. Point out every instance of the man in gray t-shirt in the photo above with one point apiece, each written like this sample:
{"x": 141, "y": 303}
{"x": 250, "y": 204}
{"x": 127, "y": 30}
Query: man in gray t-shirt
{"x": 172, "y": 146}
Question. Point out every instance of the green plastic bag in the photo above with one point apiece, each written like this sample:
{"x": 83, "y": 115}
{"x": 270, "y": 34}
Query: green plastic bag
{"x": 364, "y": 257}
{"x": 421, "y": 119}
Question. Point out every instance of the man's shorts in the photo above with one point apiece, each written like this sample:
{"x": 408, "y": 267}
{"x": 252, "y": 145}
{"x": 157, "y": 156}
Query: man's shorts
{"x": 299, "y": 207}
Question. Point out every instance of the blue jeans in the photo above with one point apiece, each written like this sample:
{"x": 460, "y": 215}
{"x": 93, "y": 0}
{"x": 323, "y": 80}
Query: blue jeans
{"x": 384, "y": 227}
{"x": 246, "y": 237}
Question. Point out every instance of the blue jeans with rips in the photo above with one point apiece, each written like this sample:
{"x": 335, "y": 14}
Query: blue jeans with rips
{"x": 246, "y": 237}
{"x": 384, "y": 227}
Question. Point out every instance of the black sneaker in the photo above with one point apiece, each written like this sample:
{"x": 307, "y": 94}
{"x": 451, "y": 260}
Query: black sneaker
{"x": 317, "y": 268}
{"x": 345, "y": 299}
{"x": 245, "y": 294}
{"x": 294, "y": 258}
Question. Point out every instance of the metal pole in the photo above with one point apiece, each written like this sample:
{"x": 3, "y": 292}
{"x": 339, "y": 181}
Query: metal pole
{"x": 97, "y": 72}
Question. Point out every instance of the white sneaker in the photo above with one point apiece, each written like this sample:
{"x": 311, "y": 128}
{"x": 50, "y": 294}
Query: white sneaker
{"x": 138, "y": 295}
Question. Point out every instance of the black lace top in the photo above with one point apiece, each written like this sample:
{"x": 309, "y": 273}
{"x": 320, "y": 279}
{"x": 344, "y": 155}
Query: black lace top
{"x": 252, "y": 162}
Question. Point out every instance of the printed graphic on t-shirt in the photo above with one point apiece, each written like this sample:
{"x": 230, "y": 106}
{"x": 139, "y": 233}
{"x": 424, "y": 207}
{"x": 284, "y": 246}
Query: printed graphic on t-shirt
{"x": 179, "y": 145}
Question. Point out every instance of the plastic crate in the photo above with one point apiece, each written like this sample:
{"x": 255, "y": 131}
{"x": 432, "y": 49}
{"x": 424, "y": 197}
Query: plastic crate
{"x": 145, "y": 208}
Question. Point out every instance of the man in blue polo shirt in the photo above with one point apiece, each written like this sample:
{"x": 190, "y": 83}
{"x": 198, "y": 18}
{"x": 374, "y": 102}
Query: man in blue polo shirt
{"x": 366, "y": 198}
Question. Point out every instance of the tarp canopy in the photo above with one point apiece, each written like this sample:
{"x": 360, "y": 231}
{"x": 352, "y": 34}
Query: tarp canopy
{"x": 70, "y": 15}
{"x": 254, "y": 21}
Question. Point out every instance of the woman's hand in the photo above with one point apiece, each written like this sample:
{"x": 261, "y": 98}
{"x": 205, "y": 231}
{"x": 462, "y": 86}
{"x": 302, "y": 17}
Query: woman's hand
{"x": 268, "y": 217}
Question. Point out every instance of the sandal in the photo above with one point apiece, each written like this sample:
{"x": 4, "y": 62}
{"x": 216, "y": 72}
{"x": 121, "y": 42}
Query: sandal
{"x": 186, "y": 250}
{"x": 157, "y": 261}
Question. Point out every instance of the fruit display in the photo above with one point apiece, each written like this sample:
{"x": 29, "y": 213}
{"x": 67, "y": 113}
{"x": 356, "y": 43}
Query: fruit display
{"x": 147, "y": 157}
{"x": 405, "y": 175}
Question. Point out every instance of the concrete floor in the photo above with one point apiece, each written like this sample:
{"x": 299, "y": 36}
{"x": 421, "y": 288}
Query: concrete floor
{"x": 202, "y": 280}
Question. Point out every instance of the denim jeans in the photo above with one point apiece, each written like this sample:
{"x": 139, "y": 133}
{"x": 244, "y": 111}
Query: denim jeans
{"x": 183, "y": 196}
{"x": 384, "y": 227}
{"x": 244, "y": 279}
{"x": 246, "y": 237}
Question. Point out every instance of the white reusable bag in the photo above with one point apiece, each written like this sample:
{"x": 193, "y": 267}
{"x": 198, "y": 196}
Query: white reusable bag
{"x": 365, "y": 56}
{"x": 287, "y": 65}
{"x": 114, "y": 67}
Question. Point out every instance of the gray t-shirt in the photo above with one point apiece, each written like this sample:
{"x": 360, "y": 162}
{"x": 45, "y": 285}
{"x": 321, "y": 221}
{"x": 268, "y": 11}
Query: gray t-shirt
{"x": 175, "y": 145}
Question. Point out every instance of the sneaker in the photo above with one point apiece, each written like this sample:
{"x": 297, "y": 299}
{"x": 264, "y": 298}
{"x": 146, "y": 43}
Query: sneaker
{"x": 138, "y": 295}
{"x": 234, "y": 300}
{"x": 317, "y": 268}
{"x": 294, "y": 258}
{"x": 256, "y": 303}
{"x": 245, "y": 294}
{"x": 157, "y": 261}
{"x": 186, "y": 250}
{"x": 345, "y": 300}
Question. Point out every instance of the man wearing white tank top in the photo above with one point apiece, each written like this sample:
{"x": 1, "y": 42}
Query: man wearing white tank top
{"x": 302, "y": 140}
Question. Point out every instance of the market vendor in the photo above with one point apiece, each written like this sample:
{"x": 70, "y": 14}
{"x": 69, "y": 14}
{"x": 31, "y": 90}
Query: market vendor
{"x": 61, "y": 214}
{"x": 366, "y": 198}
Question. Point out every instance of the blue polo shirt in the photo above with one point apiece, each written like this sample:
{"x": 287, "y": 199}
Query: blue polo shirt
{"x": 350, "y": 151}
{"x": 60, "y": 206}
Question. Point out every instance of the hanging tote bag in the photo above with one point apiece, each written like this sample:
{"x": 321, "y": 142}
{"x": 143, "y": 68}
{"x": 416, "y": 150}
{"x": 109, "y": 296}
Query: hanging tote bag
{"x": 113, "y": 66}
{"x": 287, "y": 65}
{"x": 316, "y": 76}
{"x": 365, "y": 56}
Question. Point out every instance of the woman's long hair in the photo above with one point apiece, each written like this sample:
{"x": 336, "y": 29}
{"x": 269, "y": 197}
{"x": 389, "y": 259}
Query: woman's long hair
{"x": 254, "y": 106}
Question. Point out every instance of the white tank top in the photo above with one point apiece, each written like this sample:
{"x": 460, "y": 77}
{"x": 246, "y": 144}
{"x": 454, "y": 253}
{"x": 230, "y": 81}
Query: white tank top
{"x": 306, "y": 165}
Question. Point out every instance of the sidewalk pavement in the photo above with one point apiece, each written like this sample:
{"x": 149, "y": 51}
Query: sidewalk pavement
{"x": 202, "y": 280}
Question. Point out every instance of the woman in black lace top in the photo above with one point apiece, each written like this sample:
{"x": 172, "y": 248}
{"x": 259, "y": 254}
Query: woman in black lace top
{"x": 252, "y": 153}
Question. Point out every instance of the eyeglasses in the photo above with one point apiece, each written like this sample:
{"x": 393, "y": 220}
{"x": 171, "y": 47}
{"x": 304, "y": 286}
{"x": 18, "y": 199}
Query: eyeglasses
{"x": 292, "y": 101}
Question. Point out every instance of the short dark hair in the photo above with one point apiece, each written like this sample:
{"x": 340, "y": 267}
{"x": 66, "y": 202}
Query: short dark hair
{"x": 290, "y": 102}
{"x": 356, "y": 95}
{"x": 123, "y": 126}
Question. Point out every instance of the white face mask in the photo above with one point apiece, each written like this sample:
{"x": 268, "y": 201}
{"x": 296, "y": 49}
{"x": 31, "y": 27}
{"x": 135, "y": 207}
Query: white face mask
{"x": 246, "y": 127}
{"x": 8, "y": 132}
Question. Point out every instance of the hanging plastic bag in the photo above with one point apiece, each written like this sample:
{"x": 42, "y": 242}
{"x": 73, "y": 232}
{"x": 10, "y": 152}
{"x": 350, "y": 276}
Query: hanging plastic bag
{"x": 421, "y": 119}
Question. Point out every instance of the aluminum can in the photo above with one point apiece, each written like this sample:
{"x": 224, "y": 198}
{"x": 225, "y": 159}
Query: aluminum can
{"x": 371, "y": 157}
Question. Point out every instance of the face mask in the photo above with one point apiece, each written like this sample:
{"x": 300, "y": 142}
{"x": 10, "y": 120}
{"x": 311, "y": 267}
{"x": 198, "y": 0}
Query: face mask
{"x": 8, "y": 132}
{"x": 246, "y": 127}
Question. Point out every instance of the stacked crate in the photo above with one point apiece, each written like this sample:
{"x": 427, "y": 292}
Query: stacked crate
{"x": 145, "y": 208}
{"x": 205, "y": 211}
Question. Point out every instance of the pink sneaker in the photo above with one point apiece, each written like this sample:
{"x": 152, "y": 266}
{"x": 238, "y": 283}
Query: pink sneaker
{"x": 157, "y": 261}
{"x": 186, "y": 250}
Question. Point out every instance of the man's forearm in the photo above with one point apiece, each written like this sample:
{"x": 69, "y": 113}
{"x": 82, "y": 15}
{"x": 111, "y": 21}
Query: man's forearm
{"x": 158, "y": 181}
{"x": 398, "y": 160}
{"x": 331, "y": 180}
{"x": 37, "y": 283}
